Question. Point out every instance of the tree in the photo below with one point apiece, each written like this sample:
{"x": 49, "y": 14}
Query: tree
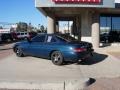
{"x": 42, "y": 28}
{"x": 29, "y": 28}
{"x": 45, "y": 30}
{"x": 22, "y": 26}
{"x": 12, "y": 29}
{"x": 1, "y": 27}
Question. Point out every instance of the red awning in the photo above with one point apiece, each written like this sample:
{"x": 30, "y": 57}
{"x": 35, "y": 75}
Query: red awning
{"x": 77, "y": 1}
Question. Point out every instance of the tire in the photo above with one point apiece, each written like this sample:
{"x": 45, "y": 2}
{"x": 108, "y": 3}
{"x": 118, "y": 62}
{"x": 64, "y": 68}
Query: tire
{"x": 57, "y": 58}
{"x": 19, "y": 52}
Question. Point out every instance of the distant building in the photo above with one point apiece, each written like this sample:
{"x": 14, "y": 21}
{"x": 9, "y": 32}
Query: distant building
{"x": 8, "y": 27}
{"x": 7, "y": 30}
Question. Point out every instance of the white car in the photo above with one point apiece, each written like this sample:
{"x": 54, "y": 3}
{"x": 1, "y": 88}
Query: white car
{"x": 22, "y": 35}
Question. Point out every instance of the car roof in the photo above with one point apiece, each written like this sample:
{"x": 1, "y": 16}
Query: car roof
{"x": 53, "y": 34}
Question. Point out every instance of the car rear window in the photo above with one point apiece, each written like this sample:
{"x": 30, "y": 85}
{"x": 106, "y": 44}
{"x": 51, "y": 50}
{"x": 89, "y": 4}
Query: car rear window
{"x": 61, "y": 39}
{"x": 51, "y": 39}
{"x": 22, "y": 33}
{"x": 67, "y": 38}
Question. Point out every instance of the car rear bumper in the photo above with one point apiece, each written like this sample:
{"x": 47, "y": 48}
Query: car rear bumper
{"x": 73, "y": 56}
{"x": 85, "y": 54}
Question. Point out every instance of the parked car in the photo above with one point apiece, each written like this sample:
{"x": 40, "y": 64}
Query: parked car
{"x": 20, "y": 35}
{"x": 111, "y": 37}
{"x": 57, "y": 47}
{"x": 104, "y": 38}
{"x": 6, "y": 37}
{"x": 114, "y": 36}
{"x": 0, "y": 38}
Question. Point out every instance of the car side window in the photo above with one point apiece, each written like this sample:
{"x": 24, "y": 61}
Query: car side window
{"x": 60, "y": 39}
{"x": 51, "y": 39}
{"x": 39, "y": 38}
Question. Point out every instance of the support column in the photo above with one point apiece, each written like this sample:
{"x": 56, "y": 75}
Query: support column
{"x": 78, "y": 25}
{"x": 95, "y": 31}
{"x": 57, "y": 26}
{"x": 50, "y": 25}
{"x": 86, "y": 22}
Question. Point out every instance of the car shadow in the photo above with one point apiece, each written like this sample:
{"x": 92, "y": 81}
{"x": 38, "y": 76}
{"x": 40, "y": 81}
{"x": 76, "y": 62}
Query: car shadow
{"x": 97, "y": 58}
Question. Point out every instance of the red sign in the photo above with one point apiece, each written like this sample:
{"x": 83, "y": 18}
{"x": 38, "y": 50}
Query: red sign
{"x": 77, "y": 1}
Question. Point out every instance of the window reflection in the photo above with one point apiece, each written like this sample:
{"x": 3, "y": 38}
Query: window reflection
{"x": 110, "y": 28}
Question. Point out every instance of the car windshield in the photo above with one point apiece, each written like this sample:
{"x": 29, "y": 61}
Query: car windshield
{"x": 67, "y": 38}
{"x": 22, "y": 33}
{"x": 18, "y": 33}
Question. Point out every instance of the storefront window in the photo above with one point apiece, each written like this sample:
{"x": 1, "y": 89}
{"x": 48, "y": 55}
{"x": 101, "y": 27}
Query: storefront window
{"x": 116, "y": 23}
{"x": 110, "y": 28}
{"x": 105, "y": 24}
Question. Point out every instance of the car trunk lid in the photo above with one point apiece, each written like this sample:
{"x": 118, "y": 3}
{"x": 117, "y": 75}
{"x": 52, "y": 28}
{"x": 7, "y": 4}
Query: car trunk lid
{"x": 81, "y": 44}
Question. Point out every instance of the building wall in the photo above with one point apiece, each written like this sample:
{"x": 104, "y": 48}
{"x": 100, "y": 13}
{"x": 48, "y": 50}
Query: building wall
{"x": 86, "y": 22}
{"x": 49, "y": 3}
{"x": 88, "y": 16}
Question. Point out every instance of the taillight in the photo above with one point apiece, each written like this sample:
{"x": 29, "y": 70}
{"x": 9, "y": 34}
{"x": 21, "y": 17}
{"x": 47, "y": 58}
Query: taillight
{"x": 79, "y": 49}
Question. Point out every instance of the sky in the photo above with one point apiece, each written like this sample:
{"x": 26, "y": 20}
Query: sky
{"x": 13, "y": 11}
{"x": 117, "y": 1}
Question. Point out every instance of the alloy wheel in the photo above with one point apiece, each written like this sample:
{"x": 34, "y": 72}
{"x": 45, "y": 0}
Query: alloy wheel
{"x": 57, "y": 58}
{"x": 19, "y": 52}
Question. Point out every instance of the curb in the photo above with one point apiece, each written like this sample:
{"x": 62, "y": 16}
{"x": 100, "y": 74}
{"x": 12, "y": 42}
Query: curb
{"x": 65, "y": 85}
{"x": 77, "y": 84}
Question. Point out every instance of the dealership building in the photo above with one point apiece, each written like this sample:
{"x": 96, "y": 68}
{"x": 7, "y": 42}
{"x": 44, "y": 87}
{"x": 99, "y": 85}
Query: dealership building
{"x": 88, "y": 16}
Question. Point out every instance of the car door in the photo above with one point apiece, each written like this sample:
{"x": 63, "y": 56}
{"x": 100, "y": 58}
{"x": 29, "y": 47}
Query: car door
{"x": 50, "y": 45}
{"x": 37, "y": 47}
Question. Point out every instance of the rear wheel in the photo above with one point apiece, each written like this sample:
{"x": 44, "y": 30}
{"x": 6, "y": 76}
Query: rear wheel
{"x": 19, "y": 52}
{"x": 57, "y": 58}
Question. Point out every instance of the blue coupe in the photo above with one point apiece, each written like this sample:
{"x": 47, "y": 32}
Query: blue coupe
{"x": 56, "y": 47}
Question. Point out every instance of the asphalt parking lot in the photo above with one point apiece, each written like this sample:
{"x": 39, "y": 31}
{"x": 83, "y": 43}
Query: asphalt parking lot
{"x": 13, "y": 68}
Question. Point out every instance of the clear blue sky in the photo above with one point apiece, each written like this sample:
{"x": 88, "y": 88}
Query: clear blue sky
{"x": 13, "y": 11}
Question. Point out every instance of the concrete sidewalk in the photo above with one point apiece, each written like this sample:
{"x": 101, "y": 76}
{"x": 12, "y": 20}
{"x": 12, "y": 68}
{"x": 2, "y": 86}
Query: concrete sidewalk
{"x": 36, "y": 73}
{"x": 36, "y": 70}
{"x": 4, "y": 47}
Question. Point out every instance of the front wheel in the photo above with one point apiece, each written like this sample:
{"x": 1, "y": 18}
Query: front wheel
{"x": 57, "y": 58}
{"x": 19, "y": 52}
